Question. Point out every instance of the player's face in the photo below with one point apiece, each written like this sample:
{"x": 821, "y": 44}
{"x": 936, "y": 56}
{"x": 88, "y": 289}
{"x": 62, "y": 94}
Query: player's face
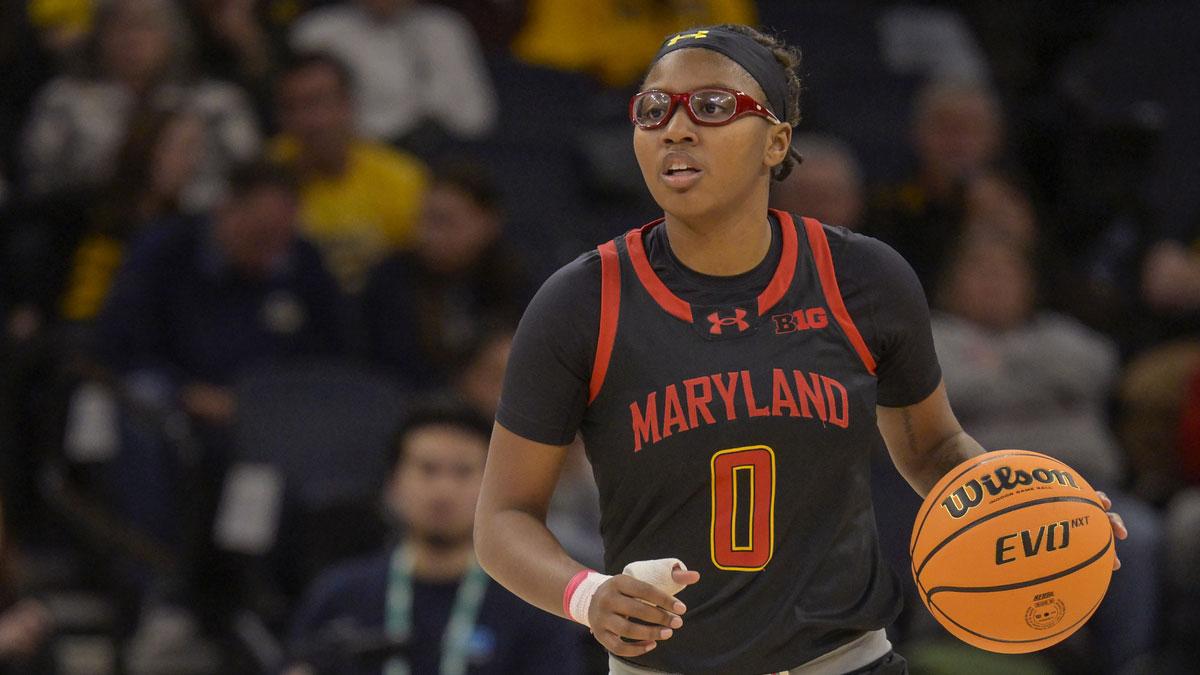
{"x": 696, "y": 171}
{"x": 436, "y": 484}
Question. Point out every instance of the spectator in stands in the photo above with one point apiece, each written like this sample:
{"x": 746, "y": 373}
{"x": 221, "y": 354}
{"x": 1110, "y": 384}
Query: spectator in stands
{"x": 359, "y": 199}
{"x": 60, "y": 255}
{"x": 424, "y": 308}
{"x": 416, "y": 67}
{"x": 195, "y": 303}
{"x": 199, "y": 299}
{"x": 1030, "y": 379}
{"x": 957, "y": 134}
{"x": 615, "y": 39}
{"x": 141, "y": 62}
{"x": 1171, "y": 279}
{"x": 827, "y": 185}
{"x": 481, "y": 372}
{"x": 241, "y": 41}
{"x": 428, "y": 587}
{"x": 158, "y": 159}
{"x": 995, "y": 202}
{"x": 1023, "y": 378}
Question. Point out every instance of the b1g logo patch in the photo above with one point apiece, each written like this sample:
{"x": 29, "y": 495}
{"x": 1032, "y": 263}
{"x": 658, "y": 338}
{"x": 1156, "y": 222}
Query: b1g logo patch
{"x": 1045, "y": 612}
{"x": 812, "y": 318}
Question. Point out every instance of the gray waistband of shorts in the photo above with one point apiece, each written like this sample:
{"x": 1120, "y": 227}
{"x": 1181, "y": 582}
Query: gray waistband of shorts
{"x": 851, "y": 656}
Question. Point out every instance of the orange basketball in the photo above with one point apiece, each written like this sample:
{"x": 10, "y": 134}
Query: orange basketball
{"x": 1012, "y": 551}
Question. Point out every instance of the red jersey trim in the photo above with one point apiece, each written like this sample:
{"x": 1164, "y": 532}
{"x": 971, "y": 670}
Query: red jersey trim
{"x": 673, "y": 304}
{"x": 782, "y": 280}
{"x": 833, "y": 295}
{"x": 677, "y": 307}
{"x": 610, "y": 311}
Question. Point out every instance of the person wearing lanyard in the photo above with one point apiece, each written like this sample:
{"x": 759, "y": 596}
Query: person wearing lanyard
{"x": 423, "y": 605}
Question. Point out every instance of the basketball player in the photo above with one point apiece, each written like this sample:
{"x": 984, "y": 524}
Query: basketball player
{"x": 730, "y": 369}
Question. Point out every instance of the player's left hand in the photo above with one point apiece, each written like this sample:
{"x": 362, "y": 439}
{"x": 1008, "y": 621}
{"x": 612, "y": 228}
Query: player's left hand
{"x": 1118, "y": 525}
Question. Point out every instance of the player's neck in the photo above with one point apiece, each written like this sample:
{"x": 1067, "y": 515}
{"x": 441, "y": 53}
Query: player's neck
{"x": 438, "y": 563}
{"x": 731, "y": 244}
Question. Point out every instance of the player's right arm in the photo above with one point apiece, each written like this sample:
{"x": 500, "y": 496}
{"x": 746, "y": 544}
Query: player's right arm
{"x": 541, "y": 406}
{"x": 516, "y": 548}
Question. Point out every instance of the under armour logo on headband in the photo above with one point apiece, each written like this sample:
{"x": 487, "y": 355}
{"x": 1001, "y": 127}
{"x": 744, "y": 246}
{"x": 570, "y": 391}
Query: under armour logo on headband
{"x": 683, "y": 36}
{"x": 745, "y": 50}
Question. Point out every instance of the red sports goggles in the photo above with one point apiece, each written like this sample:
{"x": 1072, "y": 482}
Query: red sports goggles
{"x": 710, "y": 107}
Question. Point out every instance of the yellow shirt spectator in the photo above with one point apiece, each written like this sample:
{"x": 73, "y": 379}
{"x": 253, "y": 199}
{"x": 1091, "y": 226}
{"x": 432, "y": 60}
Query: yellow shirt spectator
{"x": 358, "y": 218}
{"x": 615, "y": 39}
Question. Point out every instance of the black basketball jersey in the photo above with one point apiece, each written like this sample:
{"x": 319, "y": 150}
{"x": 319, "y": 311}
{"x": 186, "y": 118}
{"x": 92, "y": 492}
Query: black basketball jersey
{"x": 737, "y": 438}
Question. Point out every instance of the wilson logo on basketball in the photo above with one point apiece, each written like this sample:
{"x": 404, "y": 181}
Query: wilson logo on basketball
{"x": 970, "y": 494}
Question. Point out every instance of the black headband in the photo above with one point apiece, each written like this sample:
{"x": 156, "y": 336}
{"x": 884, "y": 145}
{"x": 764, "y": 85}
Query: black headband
{"x": 744, "y": 51}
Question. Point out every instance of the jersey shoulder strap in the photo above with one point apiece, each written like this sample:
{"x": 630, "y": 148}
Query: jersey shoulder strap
{"x": 819, "y": 245}
{"x": 610, "y": 310}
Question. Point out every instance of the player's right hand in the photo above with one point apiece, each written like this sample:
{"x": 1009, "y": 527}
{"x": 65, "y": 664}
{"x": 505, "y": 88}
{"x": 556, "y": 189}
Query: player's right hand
{"x": 622, "y": 598}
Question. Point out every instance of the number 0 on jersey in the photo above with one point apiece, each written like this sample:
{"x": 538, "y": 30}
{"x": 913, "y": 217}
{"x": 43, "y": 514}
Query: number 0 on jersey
{"x": 742, "y": 532}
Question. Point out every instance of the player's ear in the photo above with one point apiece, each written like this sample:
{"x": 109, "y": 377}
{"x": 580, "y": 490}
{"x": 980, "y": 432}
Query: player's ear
{"x": 779, "y": 140}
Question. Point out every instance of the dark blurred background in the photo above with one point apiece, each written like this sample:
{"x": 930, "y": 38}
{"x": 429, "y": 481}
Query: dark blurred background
{"x": 241, "y": 240}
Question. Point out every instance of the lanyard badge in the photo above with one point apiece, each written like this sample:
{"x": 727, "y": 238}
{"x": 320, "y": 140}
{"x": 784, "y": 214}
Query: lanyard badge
{"x": 464, "y": 614}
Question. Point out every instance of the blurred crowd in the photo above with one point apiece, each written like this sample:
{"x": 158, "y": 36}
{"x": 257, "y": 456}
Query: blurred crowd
{"x": 261, "y": 262}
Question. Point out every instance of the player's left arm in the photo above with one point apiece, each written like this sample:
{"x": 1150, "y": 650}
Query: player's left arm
{"x": 887, "y": 300}
{"x": 925, "y": 441}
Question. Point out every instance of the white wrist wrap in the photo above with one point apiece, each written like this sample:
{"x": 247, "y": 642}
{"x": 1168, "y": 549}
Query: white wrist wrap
{"x": 581, "y": 597}
{"x": 578, "y": 594}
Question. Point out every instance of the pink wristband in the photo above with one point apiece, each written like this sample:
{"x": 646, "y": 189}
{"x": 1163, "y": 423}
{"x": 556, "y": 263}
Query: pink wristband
{"x": 577, "y": 596}
{"x": 570, "y": 590}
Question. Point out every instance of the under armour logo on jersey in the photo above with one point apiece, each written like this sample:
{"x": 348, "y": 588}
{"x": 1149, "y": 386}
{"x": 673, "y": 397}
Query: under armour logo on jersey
{"x": 719, "y": 322}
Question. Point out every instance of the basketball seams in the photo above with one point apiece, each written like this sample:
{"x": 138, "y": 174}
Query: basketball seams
{"x": 983, "y": 519}
{"x": 947, "y": 481}
{"x": 1023, "y": 584}
{"x": 1067, "y": 630}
